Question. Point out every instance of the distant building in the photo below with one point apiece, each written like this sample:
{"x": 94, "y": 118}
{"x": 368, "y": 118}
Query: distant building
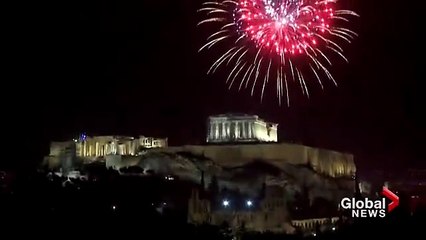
{"x": 62, "y": 155}
{"x": 227, "y": 128}
{"x": 61, "y": 148}
{"x": 268, "y": 215}
{"x": 99, "y": 146}
{"x": 65, "y": 154}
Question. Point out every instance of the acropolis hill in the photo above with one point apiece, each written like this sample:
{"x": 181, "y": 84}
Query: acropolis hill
{"x": 240, "y": 138}
{"x": 242, "y": 152}
{"x": 232, "y": 140}
{"x": 326, "y": 162}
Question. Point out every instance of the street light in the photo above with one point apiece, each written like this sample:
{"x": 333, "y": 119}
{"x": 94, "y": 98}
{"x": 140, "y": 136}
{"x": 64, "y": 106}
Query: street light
{"x": 225, "y": 203}
{"x": 249, "y": 203}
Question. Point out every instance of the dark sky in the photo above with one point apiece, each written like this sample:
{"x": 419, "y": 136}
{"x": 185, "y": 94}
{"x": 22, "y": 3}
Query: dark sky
{"x": 132, "y": 67}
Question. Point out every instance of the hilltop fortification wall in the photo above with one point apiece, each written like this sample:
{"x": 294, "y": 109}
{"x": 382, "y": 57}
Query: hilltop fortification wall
{"x": 331, "y": 163}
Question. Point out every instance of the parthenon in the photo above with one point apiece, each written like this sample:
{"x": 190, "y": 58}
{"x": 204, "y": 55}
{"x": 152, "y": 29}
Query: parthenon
{"x": 240, "y": 128}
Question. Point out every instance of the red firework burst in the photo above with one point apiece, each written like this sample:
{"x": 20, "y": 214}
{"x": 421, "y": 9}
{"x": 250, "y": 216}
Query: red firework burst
{"x": 283, "y": 28}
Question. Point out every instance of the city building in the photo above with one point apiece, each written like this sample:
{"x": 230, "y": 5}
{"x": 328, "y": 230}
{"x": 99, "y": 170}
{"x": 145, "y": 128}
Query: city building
{"x": 229, "y": 128}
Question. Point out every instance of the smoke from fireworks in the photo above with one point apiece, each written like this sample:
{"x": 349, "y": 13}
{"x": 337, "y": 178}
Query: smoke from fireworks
{"x": 273, "y": 40}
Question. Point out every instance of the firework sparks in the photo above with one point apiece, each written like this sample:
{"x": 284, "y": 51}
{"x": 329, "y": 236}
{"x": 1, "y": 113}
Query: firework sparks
{"x": 267, "y": 36}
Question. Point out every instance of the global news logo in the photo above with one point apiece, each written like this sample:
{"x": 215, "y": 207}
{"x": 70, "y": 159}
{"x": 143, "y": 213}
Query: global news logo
{"x": 367, "y": 208}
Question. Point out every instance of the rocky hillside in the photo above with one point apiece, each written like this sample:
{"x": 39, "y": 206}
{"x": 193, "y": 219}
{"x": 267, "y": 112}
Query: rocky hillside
{"x": 248, "y": 177}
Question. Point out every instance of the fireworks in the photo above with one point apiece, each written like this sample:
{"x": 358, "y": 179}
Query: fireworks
{"x": 274, "y": 40}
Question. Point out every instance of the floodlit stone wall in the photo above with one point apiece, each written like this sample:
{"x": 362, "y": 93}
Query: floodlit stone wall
{"x": 331, "y": 163}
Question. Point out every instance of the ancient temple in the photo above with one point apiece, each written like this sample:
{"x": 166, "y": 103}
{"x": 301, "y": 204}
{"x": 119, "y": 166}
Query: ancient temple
{"x": 227, "y": 128}
{"x": 101, "y": 146}
{"x": 98, "y": 146}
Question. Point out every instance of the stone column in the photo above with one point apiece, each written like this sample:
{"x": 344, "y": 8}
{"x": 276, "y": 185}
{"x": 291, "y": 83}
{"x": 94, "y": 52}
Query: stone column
{"x": 251, "y": 128}
{"x": 134, "y": 148}
{"x": 90, "y": 150}
{"x": 107, "y": 149}
{"x": 243, "y": 123}
{"x": 248, "y": 130}
{"x": 96, "y": 148}
{"x": 219, "y": 130}
{"x": 114, "y": 147}
{"x": 231, "y": 130}
{"x": 223, "y": 128}
{"x": 225, "y": 132}
{"x": 228, "y": 130}
{"x": 242, "y": 134}
{"x": 210, "y": 134}
{"x": 84, "y": 149}
{"x": 216, "y": 130}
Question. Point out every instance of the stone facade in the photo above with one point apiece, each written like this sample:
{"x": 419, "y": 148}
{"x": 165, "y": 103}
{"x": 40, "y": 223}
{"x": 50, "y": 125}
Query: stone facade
{"x": 240, "y": 128}
{"x": 99, "y": 146}
{"x": 59, "y": 148}
{"x": 92, "y": 148}
{"x": 62, "y": 155}
{"x": 327, "y": 162}
{"x": 119, "y": 161}
{"x": 310, "y": 225}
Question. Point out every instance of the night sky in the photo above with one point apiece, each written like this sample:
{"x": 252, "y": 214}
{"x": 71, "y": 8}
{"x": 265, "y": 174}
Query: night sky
{"x": 132, "y": 68}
